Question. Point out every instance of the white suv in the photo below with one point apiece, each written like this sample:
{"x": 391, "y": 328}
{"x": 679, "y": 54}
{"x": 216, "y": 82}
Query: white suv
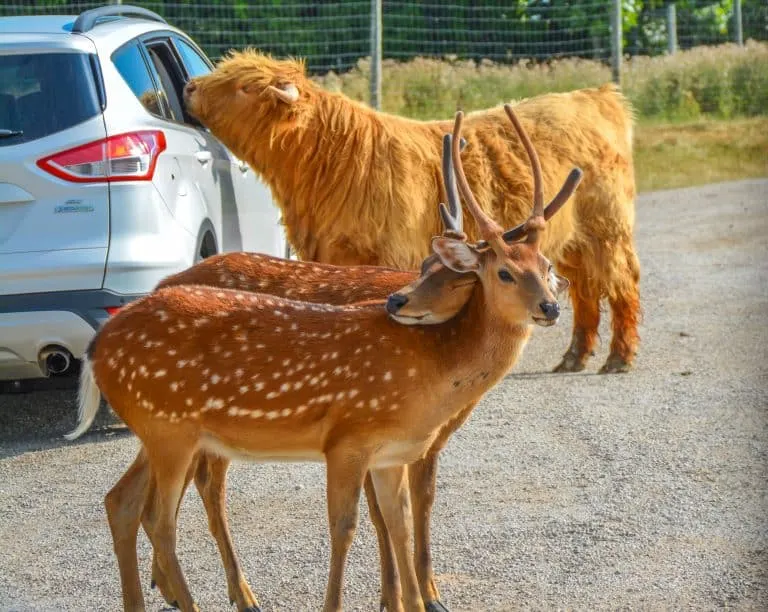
{"x": 107, "y": 185}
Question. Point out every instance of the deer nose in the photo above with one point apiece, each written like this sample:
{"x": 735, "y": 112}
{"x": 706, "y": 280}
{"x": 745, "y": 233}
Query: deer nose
{"x": 395, "y": 302}
{"x": 551, "y": 310}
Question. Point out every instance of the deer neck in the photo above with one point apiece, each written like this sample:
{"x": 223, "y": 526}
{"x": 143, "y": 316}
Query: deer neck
{"x": 471, "y": 352}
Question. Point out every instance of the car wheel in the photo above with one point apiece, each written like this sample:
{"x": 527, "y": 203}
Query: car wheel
{"x": 206, "y": 246}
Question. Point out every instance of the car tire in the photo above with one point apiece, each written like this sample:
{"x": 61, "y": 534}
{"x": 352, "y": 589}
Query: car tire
{"x": 206, "y": 243}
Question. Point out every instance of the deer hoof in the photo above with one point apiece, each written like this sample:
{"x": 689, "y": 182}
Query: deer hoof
{"x": 435, "y": 606}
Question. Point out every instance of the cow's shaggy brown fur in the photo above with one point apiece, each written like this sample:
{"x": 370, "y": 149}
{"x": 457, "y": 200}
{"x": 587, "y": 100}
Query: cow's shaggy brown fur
{"x": 357, "y": 186}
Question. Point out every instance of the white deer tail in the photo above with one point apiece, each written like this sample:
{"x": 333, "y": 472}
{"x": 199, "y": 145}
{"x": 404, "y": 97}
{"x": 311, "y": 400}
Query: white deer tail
{"x": 89, "y": 399}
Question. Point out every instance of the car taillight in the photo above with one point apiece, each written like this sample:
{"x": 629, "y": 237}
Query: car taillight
{"x": 125, "y": 157}
{"x": 112, "y": 310}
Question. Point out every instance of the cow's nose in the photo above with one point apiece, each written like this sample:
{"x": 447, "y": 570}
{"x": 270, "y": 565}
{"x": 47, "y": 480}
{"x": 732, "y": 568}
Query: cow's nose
{"x": 551, "y": 310}
{"x": 395, "y": 302}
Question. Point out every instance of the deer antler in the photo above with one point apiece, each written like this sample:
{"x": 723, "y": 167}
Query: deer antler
{"x": 569, "y": 186}
{"x": 452, "y": 215}
{"x": 540, "y": 214}
{"x": 536, "y": 222}
{"x": 489, "y": 229}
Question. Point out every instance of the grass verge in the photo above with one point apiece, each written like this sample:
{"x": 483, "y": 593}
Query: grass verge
{"x": 683, "y": 155}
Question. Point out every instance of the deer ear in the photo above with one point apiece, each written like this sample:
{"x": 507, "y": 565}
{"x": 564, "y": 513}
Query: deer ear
{"x": 285, "y": 92}
{"x": 456, "y": 255}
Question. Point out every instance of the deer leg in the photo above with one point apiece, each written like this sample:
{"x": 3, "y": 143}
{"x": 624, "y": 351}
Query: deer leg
{"x": 422, "y": 476}
{"x": 624, "y": 299}
{"x": 211, "y": 482}
{"x": 159, "y": 580}
{"x": 390, "y": 581}
{"x": 124, "y": 504}
{"x": 344, "y": 480}
{"x": 170, "y": 465}
{"x": 394, "y": 500}
{"x": 585, "y": 296}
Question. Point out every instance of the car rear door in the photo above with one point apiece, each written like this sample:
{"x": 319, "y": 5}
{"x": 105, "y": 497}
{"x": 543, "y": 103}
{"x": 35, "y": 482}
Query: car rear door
{"x": 54, "y": 231}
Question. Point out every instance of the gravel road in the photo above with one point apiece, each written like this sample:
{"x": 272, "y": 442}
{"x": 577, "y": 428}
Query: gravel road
{"x": 644, "y": 491}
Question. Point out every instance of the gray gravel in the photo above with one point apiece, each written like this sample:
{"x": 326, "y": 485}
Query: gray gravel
{"x": 643, "y": 491}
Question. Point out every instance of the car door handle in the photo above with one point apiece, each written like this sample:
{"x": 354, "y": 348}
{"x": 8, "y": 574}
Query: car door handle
{"x": 203, "y": 156}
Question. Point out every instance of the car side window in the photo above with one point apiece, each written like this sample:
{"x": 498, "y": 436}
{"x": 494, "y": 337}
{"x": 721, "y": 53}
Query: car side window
{"x": 193, "y": 62}
{"x": 169, "y": 74}
{"x": 131, "y": 65}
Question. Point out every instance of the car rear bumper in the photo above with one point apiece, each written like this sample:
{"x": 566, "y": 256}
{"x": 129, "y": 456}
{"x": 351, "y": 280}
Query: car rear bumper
{"x": 31, "y": 323}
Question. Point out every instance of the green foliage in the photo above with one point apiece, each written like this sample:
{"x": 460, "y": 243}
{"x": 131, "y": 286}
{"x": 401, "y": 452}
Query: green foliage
{"x": 721, "y": 81}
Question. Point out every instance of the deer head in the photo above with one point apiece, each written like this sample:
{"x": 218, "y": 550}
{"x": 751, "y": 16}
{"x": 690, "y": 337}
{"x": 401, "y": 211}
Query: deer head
{"x": 516, "y": 278}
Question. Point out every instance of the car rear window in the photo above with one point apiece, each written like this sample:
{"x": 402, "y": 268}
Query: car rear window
{"x": 44, "y": 93}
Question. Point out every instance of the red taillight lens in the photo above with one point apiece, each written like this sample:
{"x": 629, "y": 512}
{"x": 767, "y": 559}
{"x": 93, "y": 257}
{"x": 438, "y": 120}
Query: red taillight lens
{"x": 125, "y": 157}
{"x": 112, "y": 310}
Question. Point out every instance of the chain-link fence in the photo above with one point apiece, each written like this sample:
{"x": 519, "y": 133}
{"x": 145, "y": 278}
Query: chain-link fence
{"x": 333, "y": 35}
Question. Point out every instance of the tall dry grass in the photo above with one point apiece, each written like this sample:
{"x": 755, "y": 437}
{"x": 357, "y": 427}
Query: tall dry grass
{"x": 719, "y": 82}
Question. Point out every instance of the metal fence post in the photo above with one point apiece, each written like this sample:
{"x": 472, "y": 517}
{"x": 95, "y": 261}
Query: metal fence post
{"x": 616, "y": 42}
{"x": 671, "y": 29}
{"x": 376, "y": 54}
{"x": 737, "y": 23}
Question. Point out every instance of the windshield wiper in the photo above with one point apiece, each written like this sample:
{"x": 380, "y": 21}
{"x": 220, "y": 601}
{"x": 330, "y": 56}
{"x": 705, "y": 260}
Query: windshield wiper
{"x": 10, "y": 133}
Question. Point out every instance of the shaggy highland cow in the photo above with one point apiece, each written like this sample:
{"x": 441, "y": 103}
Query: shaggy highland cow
{"x": 357, "y": 186}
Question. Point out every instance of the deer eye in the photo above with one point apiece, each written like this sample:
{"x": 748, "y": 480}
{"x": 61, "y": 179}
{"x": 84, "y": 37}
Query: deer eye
{"x": 505, "y": 276}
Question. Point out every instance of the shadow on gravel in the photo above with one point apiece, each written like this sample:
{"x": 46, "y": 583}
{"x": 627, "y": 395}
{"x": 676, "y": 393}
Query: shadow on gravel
{"x": 36, "y": 416}
{"x": 547, "y": 374}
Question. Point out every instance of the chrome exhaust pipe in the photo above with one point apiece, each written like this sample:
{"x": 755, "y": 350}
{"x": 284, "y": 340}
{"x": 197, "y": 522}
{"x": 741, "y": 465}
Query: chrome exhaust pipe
{"x": 54, "y": 360}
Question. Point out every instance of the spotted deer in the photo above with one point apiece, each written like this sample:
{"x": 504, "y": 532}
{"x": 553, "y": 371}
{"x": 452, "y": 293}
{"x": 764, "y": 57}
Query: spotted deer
{"x": 268, "y": 378}
{"x": 324, "y": 283}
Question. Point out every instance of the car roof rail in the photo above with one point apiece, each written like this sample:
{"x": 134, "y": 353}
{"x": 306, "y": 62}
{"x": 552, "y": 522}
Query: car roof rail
{"x": 87, "y": 20}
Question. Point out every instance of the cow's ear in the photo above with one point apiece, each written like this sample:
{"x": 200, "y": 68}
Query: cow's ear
{"x": 285, "y": 92}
